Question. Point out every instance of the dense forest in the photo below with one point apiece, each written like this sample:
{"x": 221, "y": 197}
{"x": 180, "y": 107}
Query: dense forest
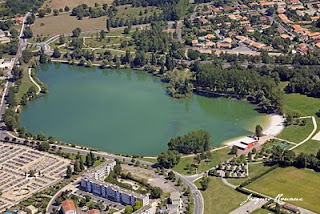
{"x": 20, "y": 6}
{"x": 262, "y": 90}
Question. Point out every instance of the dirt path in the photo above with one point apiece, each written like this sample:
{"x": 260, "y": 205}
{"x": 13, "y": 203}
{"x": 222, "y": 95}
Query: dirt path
{"x": 34, "y": 82}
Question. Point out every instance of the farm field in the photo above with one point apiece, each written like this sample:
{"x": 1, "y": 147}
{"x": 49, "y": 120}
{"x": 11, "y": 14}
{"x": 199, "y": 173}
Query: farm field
{"x": 217, "y": 157}
{"x": 220, "y": 198}
{"x": 297, "y": 133}
{"x": 293, "y": 183}
{"x": 57, "y": 4}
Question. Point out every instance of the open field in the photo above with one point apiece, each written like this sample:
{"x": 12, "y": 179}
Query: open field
{"x": 57, "y": 4}
{"x": 127, "y": 12}
{"x": 254, "y": 170}
{"x": 217, "y": 157}
{"x": 309, "y": 147}
{"x": 262, "y": 211}
{"x": 64, "y": 24}
{"x": 219, "y": 198}
{"x": 292, "y": 183}
{"x": 297, "y": 133}
{"x": 306, "y": 106}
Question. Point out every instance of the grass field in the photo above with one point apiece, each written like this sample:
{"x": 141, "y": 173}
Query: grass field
{"x": 306, "y": 106}
{"x": 152, "y": 160}
{"x": 64, "y": 24}
{"x": 127, "y": 12}
{"x": 219, "y": 198}
{"x": 297, "y": 133}
{"x": 262, "y": 211}
{"x": 293, "y": 183}
{"x": 218, "y": 157}
{"x": 309, "y": 147}
{"x": 254, "y": 170}
{"x": 57, "y": 4}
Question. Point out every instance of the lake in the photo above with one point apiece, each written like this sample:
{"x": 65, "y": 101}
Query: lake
{"x": 128, "y": 111}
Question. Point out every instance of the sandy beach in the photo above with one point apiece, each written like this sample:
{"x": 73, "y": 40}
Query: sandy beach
{"x": 275, "y": 126}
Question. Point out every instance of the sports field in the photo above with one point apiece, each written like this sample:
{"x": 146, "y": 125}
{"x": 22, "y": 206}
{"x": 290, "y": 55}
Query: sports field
{"x": 292, "y": 183}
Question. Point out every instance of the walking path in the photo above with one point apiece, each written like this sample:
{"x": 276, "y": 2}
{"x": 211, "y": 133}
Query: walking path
{"x": 34, "y": 82}
{"x": 315, "y": 126}
{"x": 224, "y": 180}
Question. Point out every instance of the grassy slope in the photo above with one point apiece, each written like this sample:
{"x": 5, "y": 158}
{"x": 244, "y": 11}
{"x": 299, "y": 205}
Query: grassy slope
{"x": 218, "y": 157}
{"x": 309, "y": 147}
{"x": 292, "y": 182}
{"x": 25, "y": 84}
{"x": 219, "y": 198}
{"x": 297, "y": 133}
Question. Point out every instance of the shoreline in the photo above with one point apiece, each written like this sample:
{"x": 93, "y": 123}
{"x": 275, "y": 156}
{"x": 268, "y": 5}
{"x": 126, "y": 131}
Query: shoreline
{"x": 274, "y": 128}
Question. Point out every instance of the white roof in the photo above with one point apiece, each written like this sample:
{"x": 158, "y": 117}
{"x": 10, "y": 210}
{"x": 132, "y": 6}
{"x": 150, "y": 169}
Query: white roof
{"x": 240, "y": 145}
{"x": 248, "y": 140}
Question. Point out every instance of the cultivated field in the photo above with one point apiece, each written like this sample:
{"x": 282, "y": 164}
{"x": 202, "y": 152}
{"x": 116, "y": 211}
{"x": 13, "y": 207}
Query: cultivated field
{"x": 64, "y": 24}
{"x": 293, "y": 183}
{"x": 220, "y": 198}
{"x": 57, "y": 4}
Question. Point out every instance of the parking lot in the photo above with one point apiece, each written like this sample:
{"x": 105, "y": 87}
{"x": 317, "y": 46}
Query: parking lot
{"x": 16, "y": 162}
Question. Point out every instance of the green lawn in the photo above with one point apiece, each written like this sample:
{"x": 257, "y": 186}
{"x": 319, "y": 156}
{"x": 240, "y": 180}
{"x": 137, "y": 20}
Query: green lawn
{"x": 306, "y": 106}
{"x": 309, "y": 147}
{"x": 296, "y": 133}
{"x": 127, "y": 12}
{"x": 219, "y": 198}
{"x": 293, "y": 183}
{"x": 254, "y": 170}
{"x": 152, "y": 160}
{"x": 262, "y": 211}
{"x": 217, "y": 157}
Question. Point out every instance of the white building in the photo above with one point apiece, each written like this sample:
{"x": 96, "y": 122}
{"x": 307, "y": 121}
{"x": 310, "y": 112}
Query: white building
{"x": 93, "y": 182}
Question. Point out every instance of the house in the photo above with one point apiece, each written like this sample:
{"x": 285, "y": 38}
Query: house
{"x": 2, "y": 33}
{"x": 244, "y": 23}
{"x": 94, "y": 211}
{"x": 19, "y": 20}
{"x": 245, "y": 143}
{"x": 175, "y": 199}
{"x": 195, "y": 42}
{"x": 5, "y": 63}
{"x": 291, "y": 207}
{"x": 68, "y": 207}
{"x": 317, "y": 44}
{"x": 285, "y": 36}
{"x": 31, "y": 210}
{"x": 210, "y": 36}
{"x": 281, "y": 10}
{"x": 4, "y": 40}
{"x": 248, "y": 29}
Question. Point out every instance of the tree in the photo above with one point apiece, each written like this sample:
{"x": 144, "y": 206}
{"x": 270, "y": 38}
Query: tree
{"x": 81, "y": 164}
{"x": 44, "y": 146}
{"x": 108, "y": 25}
{"x": 76, "y": 32}
{"x": 30, "y": 19}
{"x": 69, "y": 172}
{"x": 128, "y": 209}
{"x": 137, "y": 205}
{"x": 204, "y": 183}
{"x": 249, "y": 156}
{"x": 27, "y": 32}
{"x": 77, "y": 167}
{"x": 66, "y": 8}
{"x": 156, "y": 192}
{"x": 117, "y": 169}
{"x": 234, "y": 150}
{"x": 26, "y": 56}
{"x": 55, "y": 12}
{"x": 289, "y": 119}
{"x": 179, "y": 181}
{"x": 56, "y": 53}
{"x": 168, "y": 159}
{"x": 171, "y": 175}
{"x": 259, "y": 131}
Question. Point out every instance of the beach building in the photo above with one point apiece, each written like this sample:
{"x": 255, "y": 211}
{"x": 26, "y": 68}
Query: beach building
{"x": 246, "y": 143}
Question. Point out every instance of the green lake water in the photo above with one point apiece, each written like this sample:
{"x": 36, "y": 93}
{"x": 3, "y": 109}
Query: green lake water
{"x": 127, "y": 111}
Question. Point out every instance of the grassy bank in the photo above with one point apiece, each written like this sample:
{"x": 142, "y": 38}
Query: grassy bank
{"x": 297, "y": 133}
